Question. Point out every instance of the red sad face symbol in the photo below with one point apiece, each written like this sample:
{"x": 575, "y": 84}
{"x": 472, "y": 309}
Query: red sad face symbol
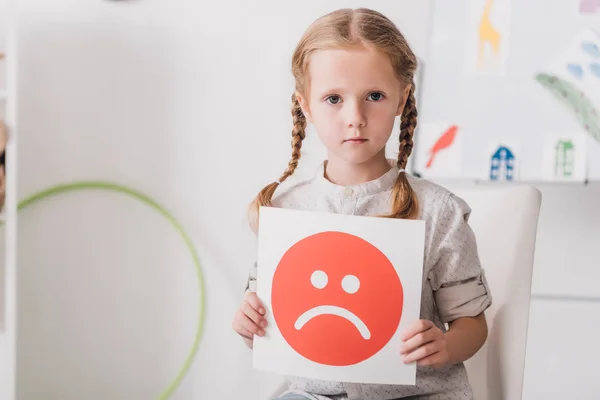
{"x": 337, "y": 299}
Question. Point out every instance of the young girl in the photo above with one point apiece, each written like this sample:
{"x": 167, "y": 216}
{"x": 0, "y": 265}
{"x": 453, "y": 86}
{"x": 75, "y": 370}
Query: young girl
{"x": 354, "y": 74}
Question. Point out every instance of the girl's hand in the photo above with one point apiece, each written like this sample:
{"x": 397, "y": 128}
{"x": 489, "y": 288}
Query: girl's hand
{"x": 425, "y": 343}
{"x": 249, "y": 319}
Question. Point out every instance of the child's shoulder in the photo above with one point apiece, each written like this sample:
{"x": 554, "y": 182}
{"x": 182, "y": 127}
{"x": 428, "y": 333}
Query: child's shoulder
{"x": 295, "y": 194}
{"x": 434, "y": 198}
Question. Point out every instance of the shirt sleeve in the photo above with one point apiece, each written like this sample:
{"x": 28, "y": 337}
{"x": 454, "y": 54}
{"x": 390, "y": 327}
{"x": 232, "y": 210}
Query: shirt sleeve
{"x": 457, "y": 278}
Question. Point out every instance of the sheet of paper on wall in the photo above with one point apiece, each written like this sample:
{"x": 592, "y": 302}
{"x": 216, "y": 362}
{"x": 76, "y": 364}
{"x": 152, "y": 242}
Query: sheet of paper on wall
{"x": 439, "y": 150}
{"x": 565, "y": 157}
{"x": 339, "y": 290}
{"x": 502, "y": 161}
{"x": 572, "y": 76}
{"x": 489, "y": 30}
{"x": 589, "y": 8}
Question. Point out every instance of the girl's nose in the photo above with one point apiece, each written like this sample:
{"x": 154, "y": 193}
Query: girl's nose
{"x": 355, "y": 115}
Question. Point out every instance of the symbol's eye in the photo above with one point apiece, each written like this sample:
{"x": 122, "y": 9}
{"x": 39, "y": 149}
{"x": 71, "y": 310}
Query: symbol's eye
{"x": 319, "y": 279}
{"x": 350, "y": 284}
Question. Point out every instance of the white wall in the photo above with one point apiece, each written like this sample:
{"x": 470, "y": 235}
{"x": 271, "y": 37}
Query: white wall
{"x": 189, "y": 103}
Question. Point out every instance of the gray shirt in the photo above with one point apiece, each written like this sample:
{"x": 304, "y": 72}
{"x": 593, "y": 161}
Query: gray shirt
{"x": 454, "y": 283}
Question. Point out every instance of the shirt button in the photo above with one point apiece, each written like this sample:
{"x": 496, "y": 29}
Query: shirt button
{"x": 348, "y": 192}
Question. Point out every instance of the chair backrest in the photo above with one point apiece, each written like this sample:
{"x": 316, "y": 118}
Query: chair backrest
{"x": 505, "y": 220}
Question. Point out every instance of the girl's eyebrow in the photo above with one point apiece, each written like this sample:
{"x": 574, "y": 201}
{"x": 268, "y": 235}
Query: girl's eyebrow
{"x": 339, "y": 90}
{"x": 372, "y": 88}
{"x": 331, "y": 90}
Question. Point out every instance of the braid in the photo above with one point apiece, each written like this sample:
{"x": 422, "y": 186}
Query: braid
{"x": 298, "y": 134}
{"x": 407, "y": 128}
{"x": 405, "y": 203}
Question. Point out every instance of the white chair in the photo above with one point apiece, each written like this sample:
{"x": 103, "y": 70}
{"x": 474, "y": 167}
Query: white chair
{"x": 505, "y": 220}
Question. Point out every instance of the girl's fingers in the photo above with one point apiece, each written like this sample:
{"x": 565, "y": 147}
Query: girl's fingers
{"x": 435, "y": 360}
{"x": 417, "y": 341}
{"x": 417, "y": 327}
{"x": 240, "y": 329}
{"x": 255, "y": 302}
{"x": 254, "y": 315}
{"x": 249, "y": 325}
{"x": 245, "y": 333}
{"x": 421, "y": 353}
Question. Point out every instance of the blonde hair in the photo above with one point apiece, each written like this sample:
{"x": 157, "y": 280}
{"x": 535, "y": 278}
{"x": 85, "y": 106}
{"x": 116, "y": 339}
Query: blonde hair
{"x": 349, "y": 28}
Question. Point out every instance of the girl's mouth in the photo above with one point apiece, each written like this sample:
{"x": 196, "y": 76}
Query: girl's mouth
{"x": 356, "y": 140}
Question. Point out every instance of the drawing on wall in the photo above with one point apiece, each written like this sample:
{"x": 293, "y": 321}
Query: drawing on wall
{"x": 490, "y": 26}
{"x": 589, "y": 7}
{"x": 503, "y": 164}
{"x": 577, "y": 68}
{"x": 439, "y": 150}
{"x": 573, "y": 78}
{"x": 592, "y": 48}
{"x": 565, "y": 157}
{"x": 443, "y": 142}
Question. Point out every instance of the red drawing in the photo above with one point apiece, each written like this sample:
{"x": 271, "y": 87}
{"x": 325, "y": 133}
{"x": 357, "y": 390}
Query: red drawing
{"x": 444, "y": 141}
{"x": 337, "y": 299}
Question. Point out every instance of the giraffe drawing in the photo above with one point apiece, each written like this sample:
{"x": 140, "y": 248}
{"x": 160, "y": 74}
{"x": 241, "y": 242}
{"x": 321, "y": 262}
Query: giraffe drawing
{"x": 487, "y": 35}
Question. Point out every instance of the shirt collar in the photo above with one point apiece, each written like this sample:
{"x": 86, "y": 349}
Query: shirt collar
{"x": 383, "y": 183}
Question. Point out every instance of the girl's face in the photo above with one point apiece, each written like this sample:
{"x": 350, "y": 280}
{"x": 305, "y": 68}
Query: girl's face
{"x": 352, "y": 99}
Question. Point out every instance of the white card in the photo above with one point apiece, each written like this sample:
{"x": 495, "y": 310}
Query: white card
{"x": 565, "y": 157}
{"x": 339, "y": 291}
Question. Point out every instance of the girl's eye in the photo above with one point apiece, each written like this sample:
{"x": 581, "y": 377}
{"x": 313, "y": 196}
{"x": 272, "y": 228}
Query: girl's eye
{"x": 376, "y": 96}
{"x": 333, "y": 99}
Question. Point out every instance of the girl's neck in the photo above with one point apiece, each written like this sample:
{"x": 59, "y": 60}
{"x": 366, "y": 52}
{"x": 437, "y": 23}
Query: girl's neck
{"x": 343, "y": 173}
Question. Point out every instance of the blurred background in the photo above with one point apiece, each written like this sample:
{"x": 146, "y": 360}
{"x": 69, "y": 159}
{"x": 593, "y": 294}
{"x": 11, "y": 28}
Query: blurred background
{"x": 189, "y": 103}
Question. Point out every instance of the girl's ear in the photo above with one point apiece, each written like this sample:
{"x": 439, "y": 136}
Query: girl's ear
{"x": 403, "y": 99}
{"x": 304, "y": 105}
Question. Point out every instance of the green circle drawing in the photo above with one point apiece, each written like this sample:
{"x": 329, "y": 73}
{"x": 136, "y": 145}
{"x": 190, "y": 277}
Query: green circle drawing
{"x": 108, "y": 186}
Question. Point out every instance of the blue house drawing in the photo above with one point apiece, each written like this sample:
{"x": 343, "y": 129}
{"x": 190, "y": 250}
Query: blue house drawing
{"x": 503, "y": 164}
